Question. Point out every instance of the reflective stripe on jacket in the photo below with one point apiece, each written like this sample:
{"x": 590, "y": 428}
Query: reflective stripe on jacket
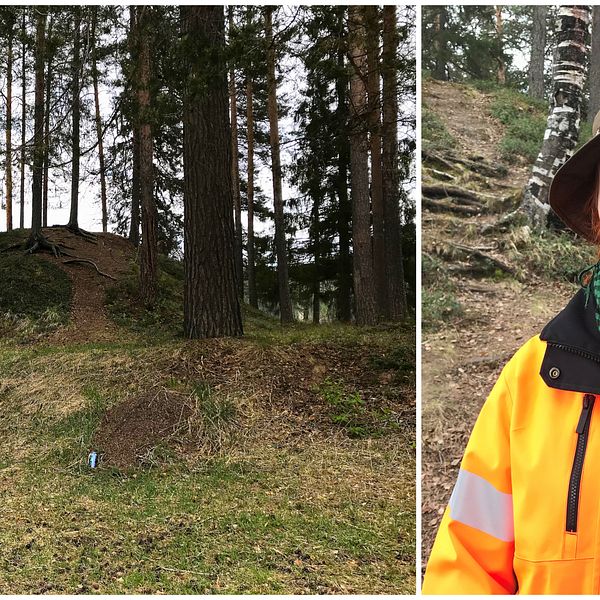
{"x": 524, "y": 515}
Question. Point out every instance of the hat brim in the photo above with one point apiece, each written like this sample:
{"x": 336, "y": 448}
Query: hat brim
{"x": 572, "y": 187}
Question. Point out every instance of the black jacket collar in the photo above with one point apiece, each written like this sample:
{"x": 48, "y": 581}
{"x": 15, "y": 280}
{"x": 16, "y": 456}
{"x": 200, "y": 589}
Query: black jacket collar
{"x": 572, "y": 358}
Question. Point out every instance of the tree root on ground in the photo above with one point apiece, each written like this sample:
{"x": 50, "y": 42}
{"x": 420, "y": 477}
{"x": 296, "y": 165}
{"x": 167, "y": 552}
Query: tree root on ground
{"x": 76, "y": 230}
{"x": 89, "y": 262}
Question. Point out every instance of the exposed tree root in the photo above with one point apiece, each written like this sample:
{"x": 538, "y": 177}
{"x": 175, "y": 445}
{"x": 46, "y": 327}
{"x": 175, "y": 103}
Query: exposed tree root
{"x": 448, "y": 205}
{"x": 76, "y": 230}
{"x": 39, "y": 243}
{"x": 478, "y": 254}
{"x": 89, "y": 262}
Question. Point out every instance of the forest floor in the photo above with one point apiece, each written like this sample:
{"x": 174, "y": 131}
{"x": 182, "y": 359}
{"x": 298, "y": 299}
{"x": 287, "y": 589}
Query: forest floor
{"x": 486, "y": 289}
{"x": 281, "y": 462}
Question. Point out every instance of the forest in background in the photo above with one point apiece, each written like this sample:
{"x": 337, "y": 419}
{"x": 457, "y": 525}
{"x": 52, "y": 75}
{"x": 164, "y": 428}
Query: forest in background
{"x": 110, "y": 91}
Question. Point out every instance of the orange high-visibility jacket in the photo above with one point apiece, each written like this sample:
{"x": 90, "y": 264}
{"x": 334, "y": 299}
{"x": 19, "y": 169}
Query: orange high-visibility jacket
{"x": 524, "y": 515}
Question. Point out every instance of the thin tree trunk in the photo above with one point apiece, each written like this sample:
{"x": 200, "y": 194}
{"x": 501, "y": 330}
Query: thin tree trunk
{"x": 344, "y": 274}
{"x": 397, "y": 305}
{"x": 562, "y": 127}
{"x": 364, "y": 284}
{"x": 76, "y": 104}
{"x": 316, "y": 280}
{"x": 134, "y": 224}
{"x": 371, "y": 15}
{"x": 38, "y": 136}
{"x": 235, "y": 174}
{"x": 285, "y": 302}
{"x": 252, "y": 296}
{"x": 149, "y": 246}
{"x": 211, "y": 305}
{"x": 501, "y": 73}
{"x": 594, "y": 77}
{"x": 538, "y": 51}
{"x": 47, "y": 134}
{"x": 99, "y": 123}
{"x": 9, "y": 185}
{"x": 23, "y": 122}
{"x": 440, "y": 44}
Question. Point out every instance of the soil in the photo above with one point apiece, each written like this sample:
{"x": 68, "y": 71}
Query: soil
{"x": 462, "y": 358}
{"x": 112, "y": 254}
{"x": 131, "y": 430}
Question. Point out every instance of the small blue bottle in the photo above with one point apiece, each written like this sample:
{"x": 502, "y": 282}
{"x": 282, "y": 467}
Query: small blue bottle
{"x": 93, "y": 460}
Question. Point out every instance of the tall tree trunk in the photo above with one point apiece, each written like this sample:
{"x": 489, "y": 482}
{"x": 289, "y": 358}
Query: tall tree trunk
{"x": 316, "y": 279}
{"x": 211, "y": 305}
{"x": 149, "y": 246}
{"x": 538, "y": 51}
{"x": 38, "y": 136}
{"x": 47, "y": 134}
{"x": 397, "y": 306}
{"x": 562, "y": 127}
{"x": 134, "y": 224}
{"x": 76, "y": 107}
{"x": 252, "y": 295}
{"x": 99, "y": 122}
{"x": 235, "y": 174}
{"x": 344, "y": 269}
{"x": 23, "y": 118}
{"x": 594, "y": 77}
{"x": 371, "y": 15}
{"x": 501, "y": 73}
{"x": 440, "y": 44}
{"x": 285, "y": 301}
{"x": 9, "y": 185}
{"x": 364, "y": 284}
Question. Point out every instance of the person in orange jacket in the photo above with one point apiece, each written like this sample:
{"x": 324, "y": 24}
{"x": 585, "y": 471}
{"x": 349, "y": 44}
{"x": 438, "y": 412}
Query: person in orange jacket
{"x": 524, "y": 515}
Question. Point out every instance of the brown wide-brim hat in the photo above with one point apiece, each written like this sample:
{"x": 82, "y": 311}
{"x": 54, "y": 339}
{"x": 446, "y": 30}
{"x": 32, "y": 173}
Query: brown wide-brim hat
{"x": 575, "y": 183}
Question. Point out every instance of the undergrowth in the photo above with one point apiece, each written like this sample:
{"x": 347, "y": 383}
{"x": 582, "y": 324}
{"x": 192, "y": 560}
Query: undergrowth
{"x": 435, "y": 134}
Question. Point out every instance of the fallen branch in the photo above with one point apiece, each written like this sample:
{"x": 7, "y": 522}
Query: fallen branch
{"x": 89, "y": 262}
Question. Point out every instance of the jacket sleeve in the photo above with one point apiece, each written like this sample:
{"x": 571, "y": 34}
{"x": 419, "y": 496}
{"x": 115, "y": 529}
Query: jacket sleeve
{"x": 474, "y": 548}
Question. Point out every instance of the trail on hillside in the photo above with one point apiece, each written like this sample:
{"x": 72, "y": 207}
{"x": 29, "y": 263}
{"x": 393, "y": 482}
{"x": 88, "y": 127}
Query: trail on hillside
{"x": 462, "y": 358}
{"x": 112, "y": 255}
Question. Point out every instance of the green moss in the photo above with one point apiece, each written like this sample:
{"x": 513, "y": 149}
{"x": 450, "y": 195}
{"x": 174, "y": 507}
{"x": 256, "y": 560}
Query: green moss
{"x": 434, "y": 132}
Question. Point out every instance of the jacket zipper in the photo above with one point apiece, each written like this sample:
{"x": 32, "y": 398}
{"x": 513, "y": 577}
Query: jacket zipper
{"x": 583, "y": 430}
{"x": 577, "y": 351}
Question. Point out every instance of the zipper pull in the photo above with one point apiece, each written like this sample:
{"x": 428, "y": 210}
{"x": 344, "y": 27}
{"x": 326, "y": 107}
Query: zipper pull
{"x": 588, "y": 405}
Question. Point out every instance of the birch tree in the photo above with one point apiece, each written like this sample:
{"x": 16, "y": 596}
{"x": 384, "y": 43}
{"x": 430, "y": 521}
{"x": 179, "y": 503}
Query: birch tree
{"x": 562, "y": 126}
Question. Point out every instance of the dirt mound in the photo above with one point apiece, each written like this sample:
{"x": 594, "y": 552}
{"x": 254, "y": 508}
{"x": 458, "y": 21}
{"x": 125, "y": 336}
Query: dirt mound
{"x": 130, "y": 431}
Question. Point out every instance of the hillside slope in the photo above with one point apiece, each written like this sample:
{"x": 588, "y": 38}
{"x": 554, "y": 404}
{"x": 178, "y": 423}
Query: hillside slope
{"x": 487, "y": 289}
{"x": 279, "y": 462}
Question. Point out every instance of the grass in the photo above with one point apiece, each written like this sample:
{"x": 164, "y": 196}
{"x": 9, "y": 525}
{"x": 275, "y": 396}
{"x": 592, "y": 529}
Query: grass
{"x": 434, "y": 132}
{"x": 523, "y": 117}
{"x": 274, "y": 496}
{"x": 35, "y": 294}
{"x": 439, "y": 304}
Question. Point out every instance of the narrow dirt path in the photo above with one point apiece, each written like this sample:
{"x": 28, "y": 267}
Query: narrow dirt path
{"x": 89, "y": 320}
{"x": 462, "y": 359}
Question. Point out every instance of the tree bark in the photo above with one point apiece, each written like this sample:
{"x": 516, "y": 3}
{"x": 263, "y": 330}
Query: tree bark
{"x": 344, "y": 267}
{"x": 501, "y": 73}
{"x": 440, "y": 44}
{"x": 149, "y": 246}
{"x": 397, "y": 305}
{"x": 134, "y": 224}
{"x": 99, "y": 122}
{"x": 235, "y": 174}
{"x": 285, "y": 302}
{"x": 594, "y": 77}
{"x": 211, "y": 305}
{"x": 562, "y": 127}
{"x": 371, "y": 16}
{"x": 23, "y": 119}
{"x": 364, "y": 284}
{"x": 38, "y": 136}
{"x": 9, "y": 185}
{"x": 47, "y": 134}
{"x": 252, "y": 295}
{"x": 316, "y": 280}
{"x": 76, "y": 107}
{"x": 538, "y": 51}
